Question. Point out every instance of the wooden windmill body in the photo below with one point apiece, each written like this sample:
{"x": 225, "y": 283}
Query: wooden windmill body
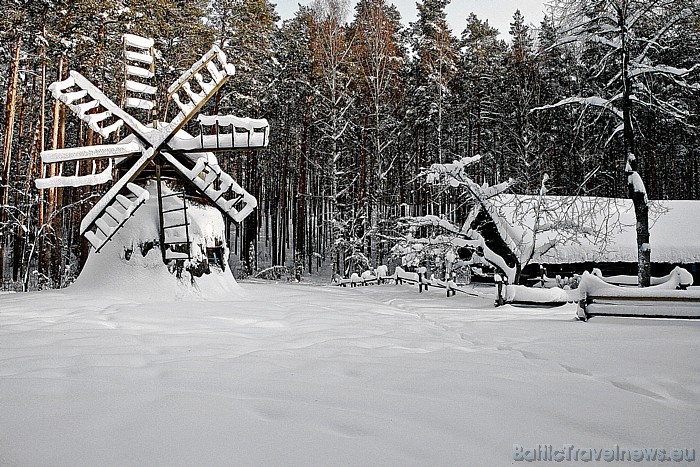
{"x": 156, "y": 152}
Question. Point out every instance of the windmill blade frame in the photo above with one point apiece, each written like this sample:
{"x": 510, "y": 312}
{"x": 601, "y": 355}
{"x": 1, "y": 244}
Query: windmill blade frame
{"x": 206, "y": 187}
{"x": 157, "y": 146}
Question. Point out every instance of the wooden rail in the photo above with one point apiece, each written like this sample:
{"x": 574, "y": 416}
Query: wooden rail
{"x": 584, "y": 313}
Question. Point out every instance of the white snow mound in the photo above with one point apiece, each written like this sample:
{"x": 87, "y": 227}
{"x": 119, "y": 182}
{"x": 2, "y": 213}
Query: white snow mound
{"x": 130, "y": 265}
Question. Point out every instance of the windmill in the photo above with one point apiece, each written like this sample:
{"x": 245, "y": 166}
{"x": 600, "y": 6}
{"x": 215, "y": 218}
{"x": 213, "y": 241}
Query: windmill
{"x": 155, "y": 152}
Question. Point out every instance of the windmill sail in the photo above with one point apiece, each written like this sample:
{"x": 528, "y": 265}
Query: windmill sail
{"x": 95, "y": 178}
{"x": 187, "y": 98}
{"x": 123, "y": 183}
{"x": 230, "y": 133}
{"x": 90, "y": 152}
{"x": 139, "y": 68}
{"x": 81, "y": 96}
{"x": 116, "y": 215}
{"x": 221, "y": 189}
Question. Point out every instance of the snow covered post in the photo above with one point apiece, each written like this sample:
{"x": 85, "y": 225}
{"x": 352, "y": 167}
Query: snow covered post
{"x": 421, "y": 274}
{"x": 450, "y": 286}
{"x": 500, "y": 299}
{"x": 581, "y": 308}
{"x": 638, "y": 193}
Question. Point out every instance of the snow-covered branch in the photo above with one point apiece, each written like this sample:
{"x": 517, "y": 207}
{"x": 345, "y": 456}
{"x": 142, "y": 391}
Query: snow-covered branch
{"x": 524, "y": 227}
{"x": 595, "y": 101}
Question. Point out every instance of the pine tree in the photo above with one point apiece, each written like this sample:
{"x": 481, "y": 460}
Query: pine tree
{"x": 378, "y": 57}
{"x": 435, "y": 66}
{"x": 521, "y": 158}
{"x": 292, "y": 90}
{"x": 478, "y": 91}
{"x": 247, "y": 30}
{"x": 429, "y": 116}
{"x": 332, "y": 103}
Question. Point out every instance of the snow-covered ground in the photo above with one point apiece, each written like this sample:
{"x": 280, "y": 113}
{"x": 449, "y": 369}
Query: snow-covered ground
{"x": 295, "y": 374}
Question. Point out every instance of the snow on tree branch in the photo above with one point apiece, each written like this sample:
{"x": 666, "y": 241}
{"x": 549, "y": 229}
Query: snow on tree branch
{"x": 594, "y": 101}
{"x": 642, "y": 68}
{"x": 504, "y": 230}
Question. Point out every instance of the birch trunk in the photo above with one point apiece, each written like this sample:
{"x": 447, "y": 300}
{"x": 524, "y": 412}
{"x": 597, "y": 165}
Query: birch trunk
{"x": 636, "y": 193}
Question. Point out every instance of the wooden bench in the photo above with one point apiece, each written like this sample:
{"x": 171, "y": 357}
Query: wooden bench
{"x": 671, "y": 299}
{"x": 520, "y": 295}
{"x": 671, "y": 306}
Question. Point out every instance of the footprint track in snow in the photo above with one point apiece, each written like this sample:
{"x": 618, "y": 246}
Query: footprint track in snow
{"x": 625, "y": 386}
{"x": 575, "y": 370}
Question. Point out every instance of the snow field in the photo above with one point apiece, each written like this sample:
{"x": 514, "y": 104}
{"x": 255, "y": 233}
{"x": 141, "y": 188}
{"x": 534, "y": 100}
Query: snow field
{"x": 290, "y": 374}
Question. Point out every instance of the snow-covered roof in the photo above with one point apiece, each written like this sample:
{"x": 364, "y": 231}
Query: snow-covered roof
{"x": 674, "y": 231}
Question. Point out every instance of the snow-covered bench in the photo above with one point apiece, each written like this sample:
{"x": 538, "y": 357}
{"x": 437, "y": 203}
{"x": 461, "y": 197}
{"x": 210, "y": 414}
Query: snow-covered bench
{"x": 418, "y": 277}
{"x": 670, "y": 299}
{"x": 382, "y": 273}
{"x": 528, "y": 296}
{"x": 355, "y": 279}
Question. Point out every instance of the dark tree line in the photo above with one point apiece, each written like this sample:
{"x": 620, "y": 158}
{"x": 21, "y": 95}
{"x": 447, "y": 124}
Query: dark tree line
{"x": 359, "y": 104}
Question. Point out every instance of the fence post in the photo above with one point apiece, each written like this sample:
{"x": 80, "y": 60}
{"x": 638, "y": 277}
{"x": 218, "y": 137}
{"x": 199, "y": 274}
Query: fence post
{"x": 581, "y": 310}
{"x": 421, "y": 274}
{"x": 451, "y": 284}
{"x": 543, "y": 273}
{"x": 500, "y": 300}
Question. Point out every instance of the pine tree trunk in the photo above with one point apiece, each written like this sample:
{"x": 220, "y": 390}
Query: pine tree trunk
{"x": 20, "y": 232}
{"x": 300, "y": 227}
{"x": 10, "y": 108}
{"x": 58, "y": 142}
{"x": 363, "y": 205}
{"x": 44, "y": 257}
{"x": 334, "y": 214}
{"x": 284, "y": 214}
{"x": 252, "y": 221}
{"x": 53, "y": 252}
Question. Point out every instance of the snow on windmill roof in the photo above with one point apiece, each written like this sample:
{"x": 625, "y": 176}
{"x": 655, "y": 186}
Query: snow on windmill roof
{"x": 674, "y": 230}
